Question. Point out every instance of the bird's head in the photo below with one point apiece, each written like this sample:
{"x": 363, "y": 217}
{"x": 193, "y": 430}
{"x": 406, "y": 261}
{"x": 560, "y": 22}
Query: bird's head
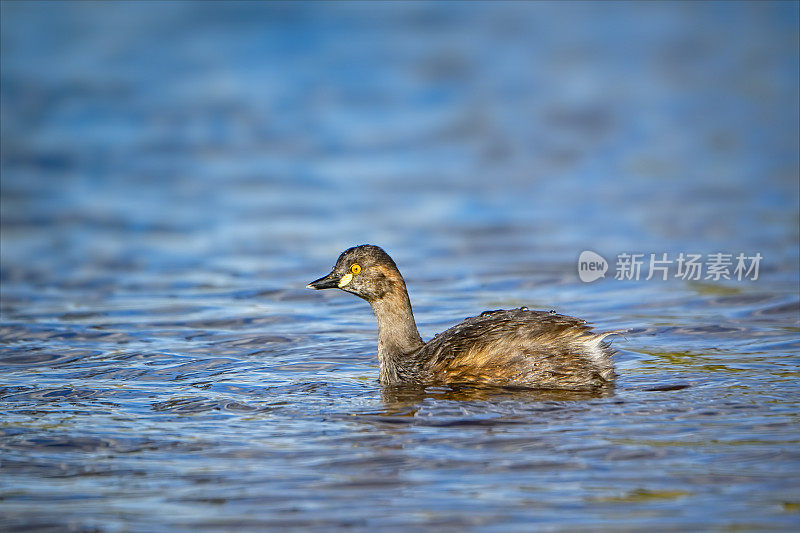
{"x": 366, "y": 271}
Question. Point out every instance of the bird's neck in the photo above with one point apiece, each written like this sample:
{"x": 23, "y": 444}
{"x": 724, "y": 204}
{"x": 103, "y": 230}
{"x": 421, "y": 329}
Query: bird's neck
{"x": 397, "y": 332}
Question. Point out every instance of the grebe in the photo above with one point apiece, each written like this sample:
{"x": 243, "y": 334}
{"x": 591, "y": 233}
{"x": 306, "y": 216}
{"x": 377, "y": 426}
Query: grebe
{"x": 514, "y": 347}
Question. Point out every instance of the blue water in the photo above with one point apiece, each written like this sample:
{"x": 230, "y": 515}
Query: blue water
{"x": 172, "y": 175}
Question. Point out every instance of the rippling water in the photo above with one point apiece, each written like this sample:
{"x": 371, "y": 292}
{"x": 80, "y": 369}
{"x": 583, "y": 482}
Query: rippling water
{"x": 174, "y": 174}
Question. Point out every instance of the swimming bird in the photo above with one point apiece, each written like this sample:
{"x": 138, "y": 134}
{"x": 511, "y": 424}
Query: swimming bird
{"x": 508, "y": 347}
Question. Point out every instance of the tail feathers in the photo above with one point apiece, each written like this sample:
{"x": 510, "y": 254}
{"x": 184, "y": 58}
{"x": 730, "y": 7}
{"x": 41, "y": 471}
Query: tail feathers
{"x": 603, "y": 334}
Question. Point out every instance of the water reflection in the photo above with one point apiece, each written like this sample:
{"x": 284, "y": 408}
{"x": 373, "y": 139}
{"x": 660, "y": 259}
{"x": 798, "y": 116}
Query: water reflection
{"x": 405, "y": 400}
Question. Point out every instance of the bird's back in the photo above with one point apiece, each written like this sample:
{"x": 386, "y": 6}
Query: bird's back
{"x": 521, "y": 348}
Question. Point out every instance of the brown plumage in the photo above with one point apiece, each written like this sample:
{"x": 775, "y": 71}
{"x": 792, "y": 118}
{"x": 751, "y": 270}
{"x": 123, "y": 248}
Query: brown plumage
{"x": 514, "y": 347}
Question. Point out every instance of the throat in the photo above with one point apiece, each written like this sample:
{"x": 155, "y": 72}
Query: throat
{"x": 398, "y": 337}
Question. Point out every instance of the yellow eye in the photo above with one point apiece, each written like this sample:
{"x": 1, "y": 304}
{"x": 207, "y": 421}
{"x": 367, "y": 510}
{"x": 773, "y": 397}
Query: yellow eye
{"x": 356, "y": 268}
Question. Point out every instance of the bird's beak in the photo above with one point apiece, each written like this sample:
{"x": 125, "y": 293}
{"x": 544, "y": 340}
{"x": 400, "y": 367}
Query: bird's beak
{"x": 331, "y": 281}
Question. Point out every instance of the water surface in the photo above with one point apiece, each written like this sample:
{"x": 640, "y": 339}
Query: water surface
{"x": 174, "y": 174}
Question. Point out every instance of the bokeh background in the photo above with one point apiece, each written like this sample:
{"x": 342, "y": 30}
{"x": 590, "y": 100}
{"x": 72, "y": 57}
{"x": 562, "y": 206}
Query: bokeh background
{"x": 173, "y": 174}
